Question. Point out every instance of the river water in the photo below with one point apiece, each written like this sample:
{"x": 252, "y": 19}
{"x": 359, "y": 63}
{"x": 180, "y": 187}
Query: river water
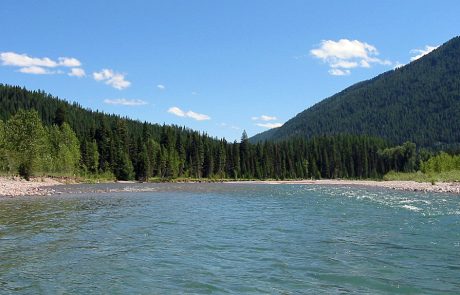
{"x": 230, "y": 238}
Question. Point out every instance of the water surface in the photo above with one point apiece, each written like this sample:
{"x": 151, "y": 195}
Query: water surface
{"x": 230, "y": 238}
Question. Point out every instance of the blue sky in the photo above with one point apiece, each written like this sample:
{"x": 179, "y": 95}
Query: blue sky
{"x": 215, "y": 66}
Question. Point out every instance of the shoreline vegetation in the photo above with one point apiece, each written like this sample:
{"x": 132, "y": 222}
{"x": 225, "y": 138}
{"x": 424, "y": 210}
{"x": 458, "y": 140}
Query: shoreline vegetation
{"x": 42, "y": 136}
{"x": 44, "y": 186}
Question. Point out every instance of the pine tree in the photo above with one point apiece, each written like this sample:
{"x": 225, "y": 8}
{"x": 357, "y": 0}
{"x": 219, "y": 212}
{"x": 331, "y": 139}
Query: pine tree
{"x": 3, "y": 158}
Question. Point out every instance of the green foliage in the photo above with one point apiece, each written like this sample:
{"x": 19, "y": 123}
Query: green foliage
{"x": 105, "y": 146}
{"x": 433, "y": 177}
{"x": 3, "y": 157}
{"x": 442, "y": 167}
{"x": 400, "y": 158}
{"x": 90, "y": 156}
{"x": 407, "y": 176}
{"x": 25, "y": 142}
{"x": 65, "y": 149}
{"x": 28, "y": 148}
{"x": 418, "y": 102}
{"x": 59, "y": 117}
{"x": 443, "y": 162}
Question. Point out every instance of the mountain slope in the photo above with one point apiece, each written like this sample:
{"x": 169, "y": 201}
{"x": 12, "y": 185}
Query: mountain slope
{"x": 419, "y": 102}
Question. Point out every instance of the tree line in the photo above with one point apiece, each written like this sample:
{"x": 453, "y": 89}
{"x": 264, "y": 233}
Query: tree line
{"x": 41, "y": 134}
{"x": 29, "y": 147}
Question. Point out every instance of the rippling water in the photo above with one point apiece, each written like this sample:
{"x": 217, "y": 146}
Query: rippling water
{"x": 230, "y": 238}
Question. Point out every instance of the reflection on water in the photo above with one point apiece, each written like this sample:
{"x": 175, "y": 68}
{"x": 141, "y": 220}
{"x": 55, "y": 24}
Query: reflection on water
{"x": 236, "y": 238}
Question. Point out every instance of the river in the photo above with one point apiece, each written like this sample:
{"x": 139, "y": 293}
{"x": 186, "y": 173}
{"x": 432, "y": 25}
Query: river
{"x": 230, "y": 238}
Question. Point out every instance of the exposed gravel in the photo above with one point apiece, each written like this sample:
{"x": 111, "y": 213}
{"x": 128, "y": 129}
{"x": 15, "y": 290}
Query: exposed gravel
{"x": 15, "y": 186}
{"x": 439, "y": 187}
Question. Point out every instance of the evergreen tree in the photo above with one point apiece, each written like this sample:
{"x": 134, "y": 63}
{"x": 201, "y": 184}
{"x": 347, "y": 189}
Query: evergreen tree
{"x": 3, "y": 158}
{"x": 90, "y": 156}
{"x": 60, "y": 115}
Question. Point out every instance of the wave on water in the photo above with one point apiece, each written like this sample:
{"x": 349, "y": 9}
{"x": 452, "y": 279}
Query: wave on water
{"x": 411, "y": 208}
{"x": 218, "y": 238}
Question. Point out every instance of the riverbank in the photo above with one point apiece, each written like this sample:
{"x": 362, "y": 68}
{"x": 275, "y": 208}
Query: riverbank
{"x": 15, "y": 186}
{"x": 439, "y": 187}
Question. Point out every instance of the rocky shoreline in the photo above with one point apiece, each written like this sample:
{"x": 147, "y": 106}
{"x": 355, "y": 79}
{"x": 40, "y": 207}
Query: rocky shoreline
{"x": 439, "y": 187}
{"x": 15, "y": 186}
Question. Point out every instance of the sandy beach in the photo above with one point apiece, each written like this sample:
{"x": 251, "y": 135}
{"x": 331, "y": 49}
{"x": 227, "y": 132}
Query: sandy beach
{"x": 15, "y": 186}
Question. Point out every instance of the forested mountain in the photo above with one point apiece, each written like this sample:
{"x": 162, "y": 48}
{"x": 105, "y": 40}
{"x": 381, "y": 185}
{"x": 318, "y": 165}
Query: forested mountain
{"x": 419, "y": 102}
{"x": 41, "y": 134}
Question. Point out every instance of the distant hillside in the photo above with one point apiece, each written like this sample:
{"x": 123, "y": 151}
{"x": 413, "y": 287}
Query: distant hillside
{"x": 114, "y": 147}
{"x": 118, "y": 145}
{"x": 83, "y": 121}
{"x": 419, "y": 102}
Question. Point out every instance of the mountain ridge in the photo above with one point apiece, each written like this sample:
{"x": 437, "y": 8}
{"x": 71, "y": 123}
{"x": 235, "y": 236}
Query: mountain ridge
{"x": 418, "y": 102}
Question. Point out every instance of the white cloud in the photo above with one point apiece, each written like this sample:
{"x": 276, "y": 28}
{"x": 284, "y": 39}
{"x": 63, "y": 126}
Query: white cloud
{"x": 35, "y": 70}
{"x": 269, "y": 125}
{"x": 347, "y": 54}
{"x": 421, "y": 52}
{"x": 38, "y": 65}
{"x": 126, "y": 102}
{"x": 264, "y": 118}
{"x": 345, "y": 64}
{"x": 23, "y": 60}
{"x": 161, "y": 87}
{"x": 190, "y": 114}
{"x": 196, "y": 116}
{"x": 77, "y": 72}
{"x": 116, "y": 80}
{"x": 339, "y": 72}
{"x": 69, "y": 62}
{"x": 176, "y": 111}
{"x": 194, "y": 93}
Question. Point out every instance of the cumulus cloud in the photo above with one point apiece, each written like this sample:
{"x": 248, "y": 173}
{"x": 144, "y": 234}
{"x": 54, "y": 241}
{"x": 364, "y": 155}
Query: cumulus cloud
{"x": 161, "y": 87}
{"x": 69, "y": 62}
{"x": 264, "y": 118}
{"x": 23, "y": 60}
{"x": 269, "y": 125}
{"x": 421, "y": 52}
{"x": 116, "y": 80}
{"x": 343, "y": 55}
{"x": 125, "y": 102}
{"x": 77, "y": 72}
{"x": 37, "y": 65}
{"x": 35, "y": 70}
{"x": 190, "y": 114}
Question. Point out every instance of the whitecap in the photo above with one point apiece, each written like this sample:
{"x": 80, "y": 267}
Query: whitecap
{"x": 412, "y": 208}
